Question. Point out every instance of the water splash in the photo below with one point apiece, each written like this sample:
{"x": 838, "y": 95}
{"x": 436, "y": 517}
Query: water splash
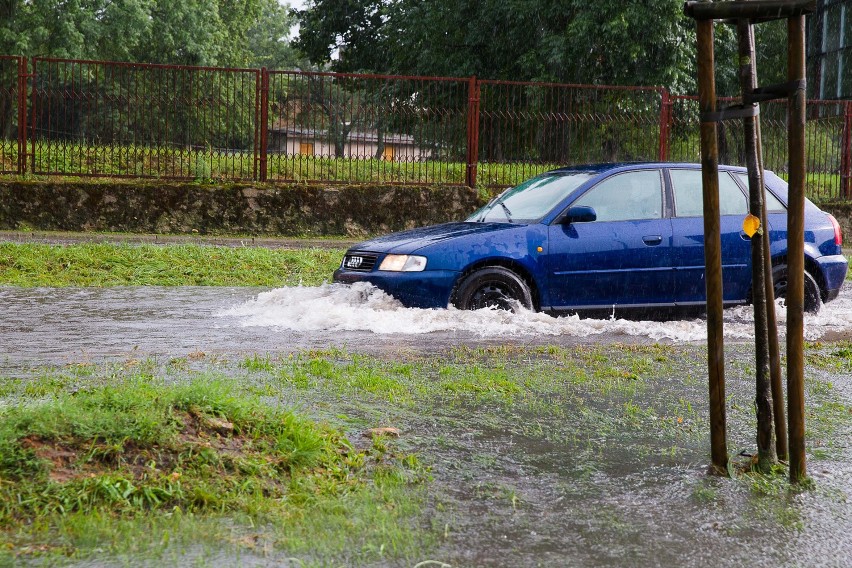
{"x": 362, "y": 307}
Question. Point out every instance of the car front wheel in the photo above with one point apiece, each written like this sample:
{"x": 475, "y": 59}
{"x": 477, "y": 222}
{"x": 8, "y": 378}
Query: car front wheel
{"x": 493, "y": 287}
{"x": 813, "y": 300}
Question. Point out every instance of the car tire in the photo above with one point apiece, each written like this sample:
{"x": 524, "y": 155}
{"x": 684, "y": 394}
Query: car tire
{"x": 493, "y": 287}
{"x": 813, "y": 299}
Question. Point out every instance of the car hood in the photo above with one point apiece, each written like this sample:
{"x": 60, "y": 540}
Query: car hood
{"x": 407, "y": 242}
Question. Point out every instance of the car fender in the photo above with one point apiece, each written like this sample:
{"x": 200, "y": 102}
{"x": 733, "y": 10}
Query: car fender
{"x": 520, "y": 248}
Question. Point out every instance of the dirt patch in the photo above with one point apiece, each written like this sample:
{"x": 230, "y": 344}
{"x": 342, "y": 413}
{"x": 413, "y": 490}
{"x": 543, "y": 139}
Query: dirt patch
{"x": 73, "y": 459}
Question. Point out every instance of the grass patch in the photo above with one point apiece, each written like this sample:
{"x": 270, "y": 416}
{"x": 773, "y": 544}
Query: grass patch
{"x": 506, "y": 434}
{"x": 154, "y": 265}
{"x": 79, "y": 471}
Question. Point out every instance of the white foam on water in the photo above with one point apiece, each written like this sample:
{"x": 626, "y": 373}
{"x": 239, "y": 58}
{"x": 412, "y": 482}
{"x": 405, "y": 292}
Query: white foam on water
{"x": 362, "y": 307}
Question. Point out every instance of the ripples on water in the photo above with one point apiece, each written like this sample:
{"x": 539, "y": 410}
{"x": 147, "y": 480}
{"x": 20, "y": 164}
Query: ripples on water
{"x": 362, "y": 307}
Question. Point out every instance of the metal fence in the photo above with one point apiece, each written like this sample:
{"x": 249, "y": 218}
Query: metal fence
{"x": 129, "y": 120}
{"x": 526, "y": 128}
{"x": 96, "y": 118}
{"x": 378, "y": 128}
{"x": 827, "y": 137}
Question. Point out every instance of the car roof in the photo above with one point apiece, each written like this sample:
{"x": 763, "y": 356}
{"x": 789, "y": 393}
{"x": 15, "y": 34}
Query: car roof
{"x": 600, "y": 168}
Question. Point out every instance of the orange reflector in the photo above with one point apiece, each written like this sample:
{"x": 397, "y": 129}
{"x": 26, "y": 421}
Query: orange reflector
{"x": 751, "y": 225}
{"x": 539, "y": 249}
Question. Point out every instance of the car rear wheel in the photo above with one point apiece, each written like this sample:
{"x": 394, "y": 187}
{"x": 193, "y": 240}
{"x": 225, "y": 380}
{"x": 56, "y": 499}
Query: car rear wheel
{"x": 493, "y": 287}
{"x": 813, "y": 300}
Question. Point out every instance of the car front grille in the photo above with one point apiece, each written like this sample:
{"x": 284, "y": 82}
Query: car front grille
{"x": 360, "y": 262}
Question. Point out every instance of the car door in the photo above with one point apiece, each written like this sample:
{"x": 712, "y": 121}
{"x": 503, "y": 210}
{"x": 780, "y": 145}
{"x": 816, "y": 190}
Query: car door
{"x": 776, "y": 214}
{"x": 688, "y": 238}
{"x": 623, "y": 257}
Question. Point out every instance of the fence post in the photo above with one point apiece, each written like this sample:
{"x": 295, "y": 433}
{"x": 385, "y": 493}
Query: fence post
{"x": 262, "y": 137}
{"x": 34, "y": 112}
{"x": 846, "y": 156}
{"x": 665, "y": 119}
{"x": 22, "y": 115}
{"x": 472, "y": 131}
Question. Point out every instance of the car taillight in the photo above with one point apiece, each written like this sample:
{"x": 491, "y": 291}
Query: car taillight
{"x": 838, "y": 236}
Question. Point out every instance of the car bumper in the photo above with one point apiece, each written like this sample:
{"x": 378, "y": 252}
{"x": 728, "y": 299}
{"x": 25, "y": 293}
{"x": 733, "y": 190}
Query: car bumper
{"x": 427, "y": 289}
{"x": 833, "y": 269}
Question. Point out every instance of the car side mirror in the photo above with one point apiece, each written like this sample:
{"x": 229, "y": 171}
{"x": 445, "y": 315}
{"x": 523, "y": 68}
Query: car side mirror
{"x": 579, "y": 214}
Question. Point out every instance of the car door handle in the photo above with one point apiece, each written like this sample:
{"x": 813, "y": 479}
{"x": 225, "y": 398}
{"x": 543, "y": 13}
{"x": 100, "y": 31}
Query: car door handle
{"x": 653, "y": 240}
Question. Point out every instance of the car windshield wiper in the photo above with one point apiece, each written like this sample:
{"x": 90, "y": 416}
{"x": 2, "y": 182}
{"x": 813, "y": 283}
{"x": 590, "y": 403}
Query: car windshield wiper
{"x": 506, "y": 211}
{"x": 490, "y": 207}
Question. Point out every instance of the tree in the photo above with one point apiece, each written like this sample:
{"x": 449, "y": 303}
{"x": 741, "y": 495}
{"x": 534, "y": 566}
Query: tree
{"x": 269, "y": 39}
{"x": 623, "y": 42}
{"x": 189, "y": 32}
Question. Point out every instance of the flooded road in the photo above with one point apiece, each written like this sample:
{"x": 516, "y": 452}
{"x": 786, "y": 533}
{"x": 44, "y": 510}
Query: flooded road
{"x": 62, "y": 325}
{"x": 607, "y": 470}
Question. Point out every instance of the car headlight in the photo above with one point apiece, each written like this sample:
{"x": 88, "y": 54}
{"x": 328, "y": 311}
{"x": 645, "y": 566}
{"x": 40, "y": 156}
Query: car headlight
{"x": 403, "y": 263}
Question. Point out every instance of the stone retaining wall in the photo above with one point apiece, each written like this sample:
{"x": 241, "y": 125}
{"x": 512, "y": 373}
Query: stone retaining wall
{"x": 249, "y": 209}
{"x": 297, "y": 210}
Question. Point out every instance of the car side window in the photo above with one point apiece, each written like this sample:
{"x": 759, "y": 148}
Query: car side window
{"x": 773, "y": 204}
{"x": 689, "y": 200}
{"x": 626, "y": 197}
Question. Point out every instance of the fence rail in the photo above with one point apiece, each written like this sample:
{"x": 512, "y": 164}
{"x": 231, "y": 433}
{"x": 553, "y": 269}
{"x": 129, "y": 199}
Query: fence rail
{"x": 95, "y": 118}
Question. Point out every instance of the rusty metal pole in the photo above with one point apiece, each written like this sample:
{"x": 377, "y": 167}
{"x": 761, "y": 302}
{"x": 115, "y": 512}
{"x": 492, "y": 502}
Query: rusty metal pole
{"x": 263, "y": 125}
{"x": 846, "y": 153}
{"x": 751, "y": 124}
{"x": 665, "y": 120}
{"x": 22, "y": 115}
{"x": 472, "y": 131}
{"x": 712, "y": 245}
{"x": 796, "y": 248}
{"x": 33, "y": 112}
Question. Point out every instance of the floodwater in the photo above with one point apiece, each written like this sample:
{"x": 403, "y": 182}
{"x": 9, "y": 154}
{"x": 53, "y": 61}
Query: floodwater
{"x": 63, "y": 325}
{"x": 510, "y": 495}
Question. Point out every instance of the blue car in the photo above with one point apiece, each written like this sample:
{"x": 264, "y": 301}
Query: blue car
{"x": 594, "y": 238}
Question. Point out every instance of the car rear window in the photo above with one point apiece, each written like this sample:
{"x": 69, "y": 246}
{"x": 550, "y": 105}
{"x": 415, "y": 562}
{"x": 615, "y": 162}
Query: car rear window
{"x": 773, "y": 204}
{"x": 688, "y": 194}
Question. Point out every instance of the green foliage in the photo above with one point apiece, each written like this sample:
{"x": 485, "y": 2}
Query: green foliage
{"x": 549, "y": 40}
{"x": 189, "y": 32}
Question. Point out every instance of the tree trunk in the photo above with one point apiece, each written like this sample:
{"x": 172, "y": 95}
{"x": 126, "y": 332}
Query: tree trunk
{"x": 766, "y": 456}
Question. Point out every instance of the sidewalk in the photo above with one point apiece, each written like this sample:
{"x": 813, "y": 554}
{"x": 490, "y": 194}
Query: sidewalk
{"x": 67, "y": 238}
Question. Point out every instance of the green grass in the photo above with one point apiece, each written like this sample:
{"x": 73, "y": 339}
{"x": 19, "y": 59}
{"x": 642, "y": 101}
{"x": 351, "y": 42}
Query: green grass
{"x": 154, "y": 265}
{"x": 197, "y": 452}
{"x": 80, "y": 471}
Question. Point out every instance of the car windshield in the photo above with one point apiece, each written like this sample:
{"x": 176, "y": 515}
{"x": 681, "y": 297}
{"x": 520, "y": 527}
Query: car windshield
{"x": 531, "y": 200}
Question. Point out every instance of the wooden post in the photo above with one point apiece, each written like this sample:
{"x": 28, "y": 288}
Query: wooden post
{"x": 759, "y": 10}
{"x": 796, "y": 249}
{"x": 751, "y": 126}
{"x": 712, "y": 246}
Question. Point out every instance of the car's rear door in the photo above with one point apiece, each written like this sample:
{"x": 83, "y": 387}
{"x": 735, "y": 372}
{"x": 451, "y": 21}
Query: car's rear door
{"x": 688, "y": 238}
{"x": 623, "y": 258}
{"x": 776, "y": 215}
